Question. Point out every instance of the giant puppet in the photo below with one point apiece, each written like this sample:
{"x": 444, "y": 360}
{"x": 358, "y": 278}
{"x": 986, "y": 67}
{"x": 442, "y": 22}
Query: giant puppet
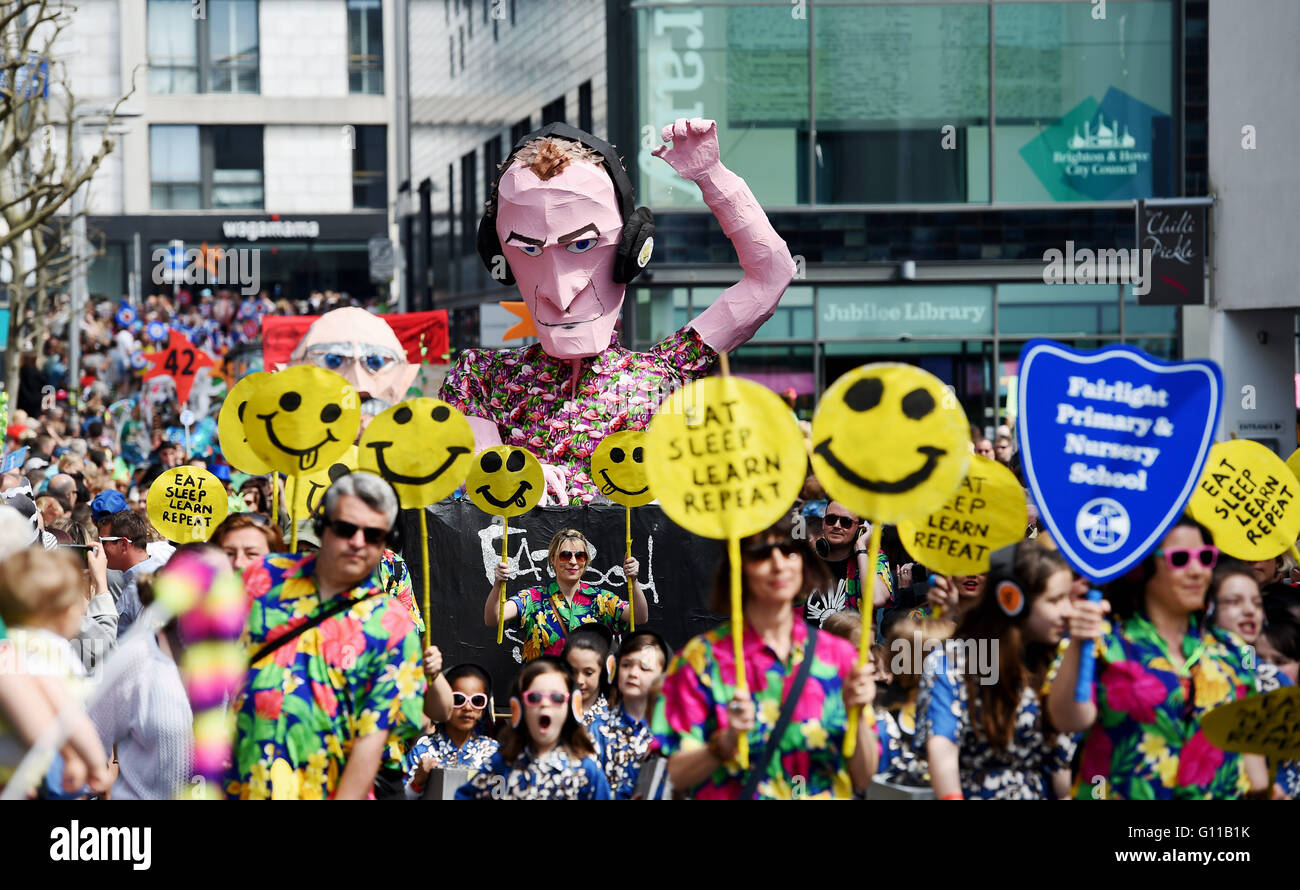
{"x": 563, "y": 226}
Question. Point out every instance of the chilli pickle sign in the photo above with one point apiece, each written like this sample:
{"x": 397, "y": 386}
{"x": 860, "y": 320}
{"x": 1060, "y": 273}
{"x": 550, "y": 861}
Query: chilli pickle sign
{"x": 187, "y": 504}
{"x": 1113, "y": 442}
{"x": 1246, "y": 498}
{"x": 725, "y": 457}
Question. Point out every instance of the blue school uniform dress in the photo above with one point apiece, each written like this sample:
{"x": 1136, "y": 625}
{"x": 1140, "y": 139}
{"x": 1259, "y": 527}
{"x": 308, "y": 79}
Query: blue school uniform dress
{"x": 622, "y": 744}
{"x": 474, "y": 754}
{"x": 557, "y": 776}
{"x": 1022, "y": 770}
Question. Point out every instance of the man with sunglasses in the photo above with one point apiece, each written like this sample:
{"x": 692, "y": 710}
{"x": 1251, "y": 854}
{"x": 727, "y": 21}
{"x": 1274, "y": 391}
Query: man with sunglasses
{"x": 125, "y": 539}
{"x": 842, "y": 546}
{"x": 335, "y": 685}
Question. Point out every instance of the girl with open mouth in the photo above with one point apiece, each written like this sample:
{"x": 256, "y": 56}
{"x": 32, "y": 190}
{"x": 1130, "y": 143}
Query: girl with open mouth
{"x": 545, "y": 753}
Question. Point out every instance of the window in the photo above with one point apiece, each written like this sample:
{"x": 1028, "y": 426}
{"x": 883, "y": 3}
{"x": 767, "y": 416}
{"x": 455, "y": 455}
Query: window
{"x": 461, "y": 54}
{"x": 553, "y": 112}
{"x": 215, "y": 54}
{"x": 451, "y": 53}
{"x": 491, "y": 161}
{"x": 520, "y": 130}
{"x": 365, "y": 47}
{"x": 468, "y": 205}
{"x": 894, "y": 102}
{"x": 173, "y": 47}
{"x": 174, "y": 168}
{"x": 198, "y": 168}
{"x": 584, "y": 106}
{"x": 370, "y": 168}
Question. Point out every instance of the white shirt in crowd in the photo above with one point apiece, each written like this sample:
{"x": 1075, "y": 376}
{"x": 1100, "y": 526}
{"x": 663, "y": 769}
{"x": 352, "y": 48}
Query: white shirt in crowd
{"x": 147, "y": 715}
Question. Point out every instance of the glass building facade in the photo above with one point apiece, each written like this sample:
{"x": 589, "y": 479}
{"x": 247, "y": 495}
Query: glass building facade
{"x": 919, "y": 158}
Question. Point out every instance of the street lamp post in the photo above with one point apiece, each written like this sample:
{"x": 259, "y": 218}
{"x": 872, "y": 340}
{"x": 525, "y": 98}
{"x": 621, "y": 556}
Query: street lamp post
{"x": 79, "y": 292}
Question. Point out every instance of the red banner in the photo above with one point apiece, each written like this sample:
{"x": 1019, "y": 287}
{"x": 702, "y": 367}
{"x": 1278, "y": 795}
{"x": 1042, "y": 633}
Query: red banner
{"x": 416, "y": 330}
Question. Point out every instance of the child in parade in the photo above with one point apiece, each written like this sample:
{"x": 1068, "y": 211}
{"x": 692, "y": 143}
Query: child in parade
{"x": 545, "y": 753}
{"x": 982, "y": 725}
{"x": 589, "y": 651}
{"x": 623, "y": 738}
{"x": 464, "y": 741}
{"x": 1160, "y": 667}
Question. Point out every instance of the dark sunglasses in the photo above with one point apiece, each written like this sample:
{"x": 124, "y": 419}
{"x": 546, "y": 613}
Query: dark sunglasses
{"x": 477, "y": 701}
{"x": 830, "y": 520}
{"x": 258, "y": 518}
{"x": 761, "y": 552}
{"x": 347, "y": 530}
{"x": 1178, "y": 557}
{"x": 566, "y": 555}
{"x": 536, "y": 698}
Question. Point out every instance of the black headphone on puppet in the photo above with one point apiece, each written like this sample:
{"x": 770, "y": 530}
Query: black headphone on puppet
{"x": 392, "y": 540}
{"x": 636, "y": 242}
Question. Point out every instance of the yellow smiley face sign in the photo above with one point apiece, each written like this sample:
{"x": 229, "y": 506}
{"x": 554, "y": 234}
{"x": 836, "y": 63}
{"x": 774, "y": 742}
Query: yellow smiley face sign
{"x": 987, "y": 511}
{"x": 186, "y": 504}
{"x": 307, "y": 491}
{"x": 618, "y": 468}
{"x": 890, "y": 442}
{"x": 423, "y": 447}
{"x": 725, "y": 457}
{"x": 1266, "y": 724}
{"x": 1247, "y": 499}
{"x": 505, "y": 481}
{"x": 301, "y": 419}
{"x": 230, "y": 426}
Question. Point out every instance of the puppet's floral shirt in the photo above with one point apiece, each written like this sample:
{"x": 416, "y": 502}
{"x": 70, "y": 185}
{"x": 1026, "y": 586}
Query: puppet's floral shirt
{"x": 560, "y": 409}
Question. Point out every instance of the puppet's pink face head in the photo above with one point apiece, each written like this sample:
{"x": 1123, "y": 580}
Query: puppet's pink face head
{"x": 363, "y": 349}
{"x": 560, "y": 237}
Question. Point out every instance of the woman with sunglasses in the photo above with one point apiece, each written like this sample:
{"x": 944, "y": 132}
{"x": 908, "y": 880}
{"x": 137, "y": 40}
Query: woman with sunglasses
{"x": 1161, "y": 665}
{"x": 545, "y": 753}
{"x": 464, "y": 741}
{"x": 549, "y": 613}
{"x": 700, "y": 715}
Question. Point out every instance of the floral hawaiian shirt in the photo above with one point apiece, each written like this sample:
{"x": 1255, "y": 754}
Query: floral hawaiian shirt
{"x": 847, "y": 594}
{"x": 1023, "y": 769}
{"x": 622, "y": 743}
{"x": 304, "y": 705}
{"x": 474, "y": 754}
{"x": 1147, "y": 741}
{"x": 561, "y": 409}
{"x": 557, "y": 776}
{"x": 701, "y": 681}
{"x": 547, "y": 618}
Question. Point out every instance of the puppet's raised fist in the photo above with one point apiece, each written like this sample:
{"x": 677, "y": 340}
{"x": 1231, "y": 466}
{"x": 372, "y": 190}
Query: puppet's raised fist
{"x": 694, "y": 148}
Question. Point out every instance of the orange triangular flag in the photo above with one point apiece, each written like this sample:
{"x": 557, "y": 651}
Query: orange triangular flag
{"x": 525, "y": 326}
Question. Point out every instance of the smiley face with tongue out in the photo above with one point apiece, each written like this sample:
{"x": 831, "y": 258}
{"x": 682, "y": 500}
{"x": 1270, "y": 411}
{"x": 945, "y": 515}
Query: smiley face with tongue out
{"x": 302, "y": 417}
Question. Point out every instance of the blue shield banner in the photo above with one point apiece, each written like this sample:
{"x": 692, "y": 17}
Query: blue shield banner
{"x": 1112, "y": 442}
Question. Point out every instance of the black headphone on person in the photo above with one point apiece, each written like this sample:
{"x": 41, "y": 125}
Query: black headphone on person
{"x": 392, "y": 540}
{"x": 635, "y": 243}
{"x": 1002, "y": 582}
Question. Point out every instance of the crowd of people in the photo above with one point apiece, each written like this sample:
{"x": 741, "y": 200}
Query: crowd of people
{"x": 969, "y": 691}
